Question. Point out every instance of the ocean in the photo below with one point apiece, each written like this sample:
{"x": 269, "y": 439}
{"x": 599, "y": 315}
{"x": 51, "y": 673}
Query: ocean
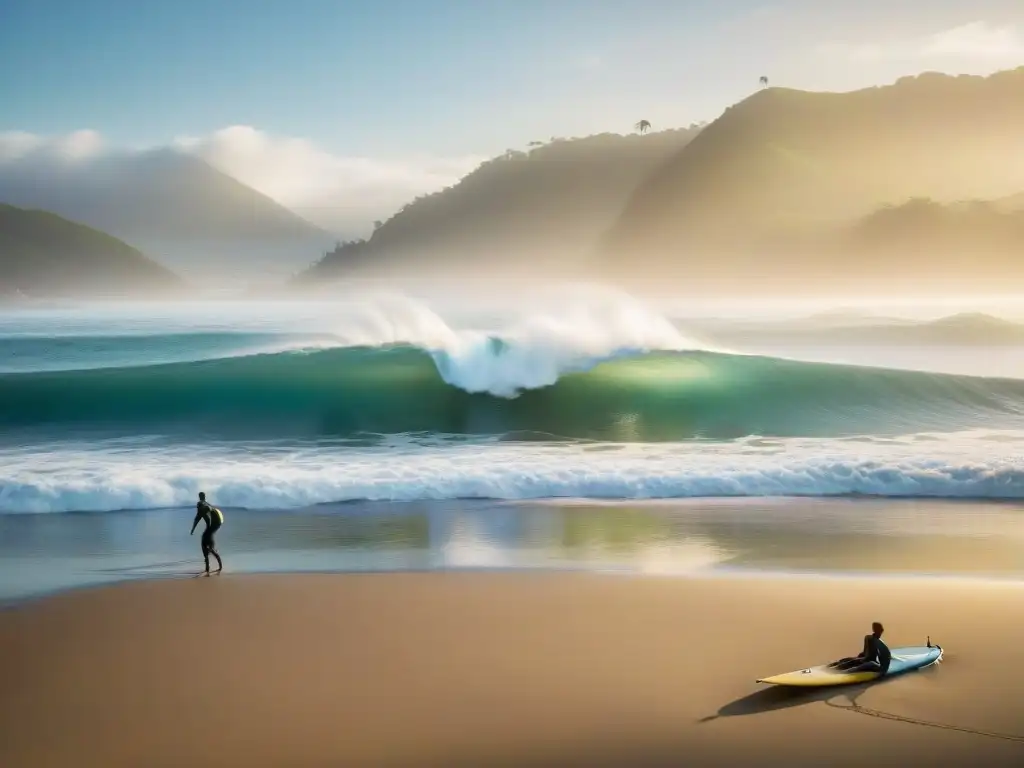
{"x": 303, "y": 407}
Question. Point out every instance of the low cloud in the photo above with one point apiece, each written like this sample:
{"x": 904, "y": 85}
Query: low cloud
{"x": 341, "y": 193}
{"x": 78, "y": 145}
{"x": 975, "y": 44}
{"x": 331, "y": 190}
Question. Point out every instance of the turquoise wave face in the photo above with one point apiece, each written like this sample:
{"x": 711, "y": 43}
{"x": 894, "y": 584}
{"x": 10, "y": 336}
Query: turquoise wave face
{"x": 402, "y": 389}
{"x": 19, "y": 354}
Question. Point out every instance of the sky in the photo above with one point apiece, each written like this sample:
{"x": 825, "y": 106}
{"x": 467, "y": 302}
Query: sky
{"x": 368, "y": 103}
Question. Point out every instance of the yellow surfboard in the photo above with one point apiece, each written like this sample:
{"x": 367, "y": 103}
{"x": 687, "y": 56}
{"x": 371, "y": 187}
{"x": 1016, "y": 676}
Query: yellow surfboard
{"x": 903, "y": 660}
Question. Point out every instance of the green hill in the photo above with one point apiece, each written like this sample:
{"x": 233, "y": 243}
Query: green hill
{"x": 548, "y": 206}
{"x": 44, "y": 255}
{"x": 923, "y": 241}
{"x": 919, "y": 246}
{"x": 937, "y": 229}
{"x": 184, "y": 213}
{"x": 784, "y": 171}
{"x": 1011, "y": 202}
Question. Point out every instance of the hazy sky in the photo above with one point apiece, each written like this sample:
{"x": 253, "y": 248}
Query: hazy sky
{"x": 314, "y": 101}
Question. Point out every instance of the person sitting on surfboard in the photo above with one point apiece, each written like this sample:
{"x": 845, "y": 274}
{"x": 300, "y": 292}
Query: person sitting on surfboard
{"x": 213, "y": 518}
{"x": 875, "y": 657}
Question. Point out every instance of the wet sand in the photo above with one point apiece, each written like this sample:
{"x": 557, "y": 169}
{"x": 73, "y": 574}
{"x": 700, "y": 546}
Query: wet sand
{"x": 42, "y": 553}
{"x": 530, "y": 668}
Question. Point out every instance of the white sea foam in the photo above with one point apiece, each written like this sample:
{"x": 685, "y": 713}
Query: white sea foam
{"x": 970, "y": 464}
{"x": 546, "y": 336}
{"x": 543, "y": 342}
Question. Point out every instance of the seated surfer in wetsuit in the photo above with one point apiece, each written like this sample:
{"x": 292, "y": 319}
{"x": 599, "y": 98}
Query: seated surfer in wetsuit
{"x": 875, "y": 657}
{"x": 213, "y": 518}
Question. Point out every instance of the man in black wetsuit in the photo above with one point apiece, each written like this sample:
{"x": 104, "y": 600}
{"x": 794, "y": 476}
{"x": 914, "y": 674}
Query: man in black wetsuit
{"x": 213, "y": 518}
{"x": 875, "y": 657}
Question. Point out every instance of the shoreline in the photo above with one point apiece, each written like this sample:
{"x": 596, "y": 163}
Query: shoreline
{"x": 483, "y": 668}
{"x": 927, "y": 542}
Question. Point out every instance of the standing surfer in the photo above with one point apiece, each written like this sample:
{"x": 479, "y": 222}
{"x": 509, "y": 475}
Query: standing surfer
{"x": 214, "y": 519}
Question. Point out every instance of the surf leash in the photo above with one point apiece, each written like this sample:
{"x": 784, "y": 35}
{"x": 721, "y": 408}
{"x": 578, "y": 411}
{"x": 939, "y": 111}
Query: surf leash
{"x": 853, "y": 706}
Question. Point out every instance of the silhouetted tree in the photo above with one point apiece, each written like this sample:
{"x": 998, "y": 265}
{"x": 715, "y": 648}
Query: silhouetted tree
{"x": 643, "y": 126}
{"x": 764, "y": 81}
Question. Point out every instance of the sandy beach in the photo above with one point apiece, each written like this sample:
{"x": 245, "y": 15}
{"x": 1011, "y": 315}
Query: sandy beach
{"x": 501, "y": 669}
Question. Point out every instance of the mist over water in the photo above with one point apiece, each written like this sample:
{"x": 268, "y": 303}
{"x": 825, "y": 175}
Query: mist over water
{"x": 573, "y": 391}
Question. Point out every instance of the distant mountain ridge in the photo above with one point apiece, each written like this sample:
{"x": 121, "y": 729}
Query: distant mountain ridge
{"x": 779, "y": 169}
{"x": 173, "y": 205}
{"x": 545, "y": 208}
{"x": 43, "y": 255}
{"x": 888, "y": 187}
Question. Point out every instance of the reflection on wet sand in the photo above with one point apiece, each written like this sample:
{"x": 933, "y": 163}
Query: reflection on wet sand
{"x": 41, "y": 552}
